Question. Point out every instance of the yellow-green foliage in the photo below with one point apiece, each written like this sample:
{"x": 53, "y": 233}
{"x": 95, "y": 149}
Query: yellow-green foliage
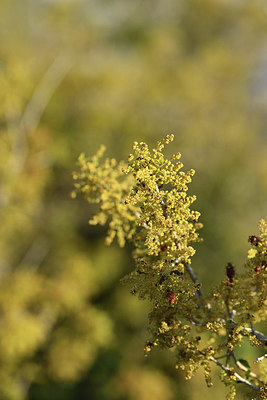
{"x": 74, "y": 74}
{"x": 149, "y": 205}
{"x": 50, "y": 330}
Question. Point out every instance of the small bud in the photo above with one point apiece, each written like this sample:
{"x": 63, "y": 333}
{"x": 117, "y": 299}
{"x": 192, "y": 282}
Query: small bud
{"x": 172, "y": 298}
{"x": 261, "y": 267}
{"x": 148, "y": 347}
{"x": 255, "y": 240}
{"x": 163, "y": 247}
{"x": 230, "y": 272}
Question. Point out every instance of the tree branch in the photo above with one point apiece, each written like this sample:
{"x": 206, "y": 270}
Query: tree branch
{"x": 194, "y": 279}
{"x": 260, "y": 336}
{"x": 238, "y": 377}
{"x": 243, "y": 367}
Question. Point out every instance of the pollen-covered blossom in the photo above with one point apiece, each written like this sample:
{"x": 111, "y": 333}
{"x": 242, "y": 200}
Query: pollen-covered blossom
{"x": 103, "y": 182}
{"x": 146, "y": 201}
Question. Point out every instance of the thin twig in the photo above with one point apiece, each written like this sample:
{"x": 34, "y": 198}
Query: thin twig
{"x": 44, "y": 91}
{"x": 260, "y": 336}
{"x": 218, "y": 358}
{"x": 197, "y": 323}
{"x": 230, "y": 332}
{"x": 31, "y": 117}
{"x": 244, "y": 368}
{"x": 260, "y": 358}
{"x": 194, "y": 279}
{"x": 238, "y": 377}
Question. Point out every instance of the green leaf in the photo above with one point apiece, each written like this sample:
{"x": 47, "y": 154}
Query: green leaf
{"x": 244, "y": 362}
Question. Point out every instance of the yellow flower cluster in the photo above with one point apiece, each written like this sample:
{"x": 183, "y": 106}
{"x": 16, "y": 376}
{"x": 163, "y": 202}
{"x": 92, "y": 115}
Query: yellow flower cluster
{"x": 160, "y": 193}
{"x": 146, "y": 201}
{"x": 101, "y": 182}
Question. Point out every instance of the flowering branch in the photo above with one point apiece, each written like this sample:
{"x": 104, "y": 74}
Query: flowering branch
{"x": 260, "y": 336}
{"x": 146, "y": 202}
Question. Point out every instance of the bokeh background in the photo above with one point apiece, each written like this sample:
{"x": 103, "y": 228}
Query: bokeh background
{"x": 75, "y": 74}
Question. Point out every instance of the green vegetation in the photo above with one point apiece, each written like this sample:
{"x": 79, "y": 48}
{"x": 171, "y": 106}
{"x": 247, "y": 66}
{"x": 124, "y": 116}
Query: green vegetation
{"x": 78, "y": 73}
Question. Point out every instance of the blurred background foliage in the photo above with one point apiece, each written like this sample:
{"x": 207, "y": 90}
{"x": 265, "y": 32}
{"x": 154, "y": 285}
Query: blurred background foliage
{"x": 75, "y": 74}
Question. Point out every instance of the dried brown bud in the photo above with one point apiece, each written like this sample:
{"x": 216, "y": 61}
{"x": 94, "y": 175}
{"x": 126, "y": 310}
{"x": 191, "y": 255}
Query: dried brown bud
{"x": 230, "y": 272}
{"x": 255, "y": 240}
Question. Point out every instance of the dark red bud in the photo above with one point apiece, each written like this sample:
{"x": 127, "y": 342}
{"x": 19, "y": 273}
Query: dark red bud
{"x": 230, "y": 272}
{"x": 172, "y": 298}
{"x": 163, "y": 247}
{"x": 255, "y": 240}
